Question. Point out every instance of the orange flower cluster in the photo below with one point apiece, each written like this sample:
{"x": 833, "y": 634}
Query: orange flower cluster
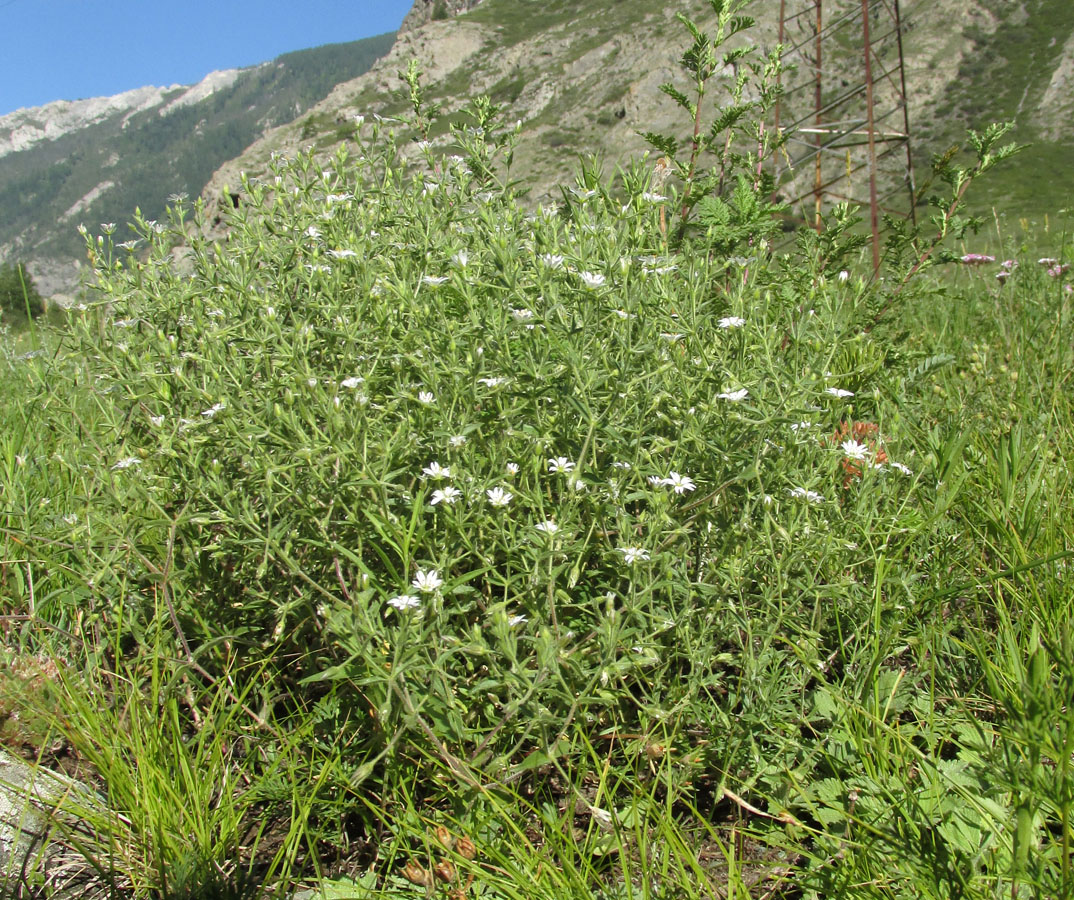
{"x": 866, "y": 433}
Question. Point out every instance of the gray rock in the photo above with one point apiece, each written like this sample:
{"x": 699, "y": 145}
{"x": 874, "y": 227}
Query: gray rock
{"x": 34, "y": 857}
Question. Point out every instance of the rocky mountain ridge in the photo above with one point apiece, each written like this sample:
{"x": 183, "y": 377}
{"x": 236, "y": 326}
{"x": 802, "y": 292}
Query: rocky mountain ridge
{"x": 22, "y": 129}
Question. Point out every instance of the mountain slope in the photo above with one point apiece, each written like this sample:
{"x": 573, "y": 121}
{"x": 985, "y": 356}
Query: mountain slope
{"x": 583, "y": 77}
{"x": 96, "y": 160}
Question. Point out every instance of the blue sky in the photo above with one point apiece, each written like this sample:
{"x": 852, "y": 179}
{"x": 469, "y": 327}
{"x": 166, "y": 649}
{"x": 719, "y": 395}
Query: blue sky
{"x": 70, "y": 49}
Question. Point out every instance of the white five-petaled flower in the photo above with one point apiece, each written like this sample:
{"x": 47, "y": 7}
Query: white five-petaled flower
{"x": 435, "y": 470}
{"x": 498, "y": 496}
{"x": 552, "y": 260}
{"x": 512, "y": 468}
{"x": 495, "y": 381}
{"x": 456, "y": 440}
{"x": 447, "y": 495}
{"x": 838, "y": 392}
{"x": 800, "y": 426}
{"x": 843, "y": 275}
{"x": 434, "y": 280}
{"x": 731, "y": 322}
{"x": 127, "y": 462}
{"x": 734, "y": 396}
{"x": 548, "y": 527}
{"x": 680, "y": 484}
{"x": 560, "y": 465}
{"x": 426, "y": 397}
{"x": 800, "y": 493}
{"x": 514, "y": 621}
{"x": 632, "y": 555}
{"x": 899, "y": 467}
{"x": 405, "y": 601}
{"x": 157, "y": 420}
{"x": 522, "y": 314}
{"x": 461, "y": 259}
{"x": 591, "y": 279}
{"x": 352, "y": 382}
{"x": 342, "y": 254}
{"x": 213, "y": 410}
{"x": 313, "y": 232}
{"x": 650, "y": 197}
{"x": 427, "y": 581}
{"x": 854, "y": 449}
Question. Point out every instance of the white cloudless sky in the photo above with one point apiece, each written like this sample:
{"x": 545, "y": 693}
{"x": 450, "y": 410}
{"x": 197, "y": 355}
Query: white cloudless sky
{"x": 73, "y": 49}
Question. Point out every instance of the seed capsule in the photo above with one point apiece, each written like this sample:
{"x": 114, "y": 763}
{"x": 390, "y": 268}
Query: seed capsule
{"x": 445, "y": 871}
{"x": 465, "y": 848}
{"x": 415, "y": 874}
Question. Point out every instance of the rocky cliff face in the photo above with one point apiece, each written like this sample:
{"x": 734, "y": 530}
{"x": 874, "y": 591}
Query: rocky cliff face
{"x": 425, "y": 11}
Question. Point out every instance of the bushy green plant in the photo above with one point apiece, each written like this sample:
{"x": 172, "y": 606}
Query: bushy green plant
{"x": 575, "y": 514}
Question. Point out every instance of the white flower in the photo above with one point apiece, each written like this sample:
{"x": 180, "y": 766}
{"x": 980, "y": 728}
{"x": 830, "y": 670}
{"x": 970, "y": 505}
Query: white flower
{"x": 312, "y": 382}
{"x": 621, "y": 465}
{"x": 680, "y": 484}
{"x": 427, "y": 582}
{"x": 515, "y": 621}
{"x": 731, "y": 322}
{"x": 734, "y": 396}
{"x": 650, "y": 197}
{"x": 456, "y": 440}
{"x": 560, "y": 465}
{"x": 801, "y": 493}
{"x": 498, "y": 496}
{"x": 799, "y": 426}
{"x": 435, "y": 470}
{"x": 522, "y": 314}
{"x": 461, "y": 259}
{"x": 157, "y": 420}
{"x": 671, "y": 336}
{"x": 213, "y": 410}
{"x": 655, "y": 480}
{"x": 313, "y": 232}
{"x": 854, "y": 449}
{"x": 838, "y": 392}
{"x": 844, "y": 275}
{"x": 548, "y": 527}
{"x": 445, "y": 495}
{"x": 127, "y": 462}
{"x": 339, "y": 198}
{"x": 426, "y": 397}
{"x": 899, "y": 467}
{"x": 405, "y": 601}
{"x": 352, "y": 382}
{"x": 591, "y": 279}
{"x": 342, "y": 254}
{"x": 512, "y": 468}
{"x": 434, "y": 280}
{"x": 552, "y": 260}
{"x": 632, "y": 555}
{"x": 493, "y": 382}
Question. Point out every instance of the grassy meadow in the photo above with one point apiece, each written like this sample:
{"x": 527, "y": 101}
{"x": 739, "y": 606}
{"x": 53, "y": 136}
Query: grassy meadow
{"x": 414, "y": 541}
